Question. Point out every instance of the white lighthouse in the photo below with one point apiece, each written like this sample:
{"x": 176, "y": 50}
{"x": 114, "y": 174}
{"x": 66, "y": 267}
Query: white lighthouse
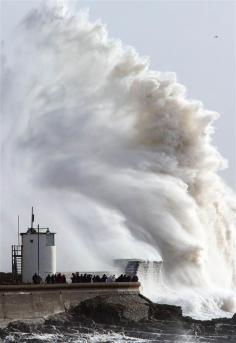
{"x": 38, "y": 252}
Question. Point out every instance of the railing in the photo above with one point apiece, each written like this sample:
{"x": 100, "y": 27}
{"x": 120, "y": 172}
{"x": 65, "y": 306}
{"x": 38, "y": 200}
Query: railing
{"x": 73, "y": 286}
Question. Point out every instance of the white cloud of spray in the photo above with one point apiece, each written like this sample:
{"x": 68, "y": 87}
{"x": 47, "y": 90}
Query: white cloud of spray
{"x": 115, "y": 155}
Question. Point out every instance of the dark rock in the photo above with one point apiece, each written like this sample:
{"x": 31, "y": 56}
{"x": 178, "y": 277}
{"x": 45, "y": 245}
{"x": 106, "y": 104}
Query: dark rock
{"x": 165, "y": 312}
{"x": 59, "y": 319}
{"x": 113, "y": 309}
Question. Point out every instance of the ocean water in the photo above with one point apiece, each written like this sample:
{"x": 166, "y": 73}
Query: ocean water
{"x": 164, "y": 332}
{"x": 96, "y": 337}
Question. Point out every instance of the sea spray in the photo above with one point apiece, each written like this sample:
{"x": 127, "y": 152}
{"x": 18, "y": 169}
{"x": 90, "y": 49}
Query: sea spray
{"x": 116, "y": 157}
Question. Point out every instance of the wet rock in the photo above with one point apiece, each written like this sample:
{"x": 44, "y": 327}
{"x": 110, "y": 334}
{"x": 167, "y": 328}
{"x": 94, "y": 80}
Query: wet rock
{"x": 165, "y": 312}
{"x": 114, "y": 309}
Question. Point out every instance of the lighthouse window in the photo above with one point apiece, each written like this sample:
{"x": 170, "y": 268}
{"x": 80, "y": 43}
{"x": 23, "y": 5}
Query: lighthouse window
{"x": 31, "y": 241}
{"x": 50, "y": 240}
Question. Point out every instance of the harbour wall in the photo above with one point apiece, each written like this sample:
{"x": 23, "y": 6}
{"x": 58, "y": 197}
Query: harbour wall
{"x": 19, "y": 302}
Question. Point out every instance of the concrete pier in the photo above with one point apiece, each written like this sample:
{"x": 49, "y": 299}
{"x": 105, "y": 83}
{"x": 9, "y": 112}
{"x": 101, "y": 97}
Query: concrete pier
{"x": 35, "y": 301}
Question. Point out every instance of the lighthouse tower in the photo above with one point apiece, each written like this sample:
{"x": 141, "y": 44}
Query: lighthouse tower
{"x": 38, "y": 252}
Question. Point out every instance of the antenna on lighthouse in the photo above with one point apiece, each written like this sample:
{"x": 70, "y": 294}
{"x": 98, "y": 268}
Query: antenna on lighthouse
{"x": 32, "y": 218}
{"x": 38, "y": 251}
{"x": 18, "y": 228}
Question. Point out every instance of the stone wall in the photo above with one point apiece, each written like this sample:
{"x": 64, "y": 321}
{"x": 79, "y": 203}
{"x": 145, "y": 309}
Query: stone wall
{"x": 35, "y": 301}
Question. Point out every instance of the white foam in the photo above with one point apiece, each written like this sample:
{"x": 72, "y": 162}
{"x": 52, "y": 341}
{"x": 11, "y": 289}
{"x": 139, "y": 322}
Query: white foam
{"x": 114, "y": 156}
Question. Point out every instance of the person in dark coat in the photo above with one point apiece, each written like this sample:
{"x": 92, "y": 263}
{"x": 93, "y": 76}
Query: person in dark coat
{"x": 35, "y": 278}
{"x": 48, "y": 279}
{"x": 134, "y": 278}
{"x": 73, "y": 278}
{"x": 104, "y": 278}
{"x": 53, "y": 279}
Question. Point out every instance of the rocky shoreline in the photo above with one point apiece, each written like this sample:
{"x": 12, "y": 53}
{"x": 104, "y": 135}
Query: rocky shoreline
{"x": 132, "y": 315}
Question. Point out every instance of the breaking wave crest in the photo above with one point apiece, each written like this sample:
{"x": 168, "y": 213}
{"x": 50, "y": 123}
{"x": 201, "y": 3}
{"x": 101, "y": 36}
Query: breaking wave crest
{"x": 116, "y": 157}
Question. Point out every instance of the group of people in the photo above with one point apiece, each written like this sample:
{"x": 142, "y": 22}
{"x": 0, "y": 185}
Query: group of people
{"x": 83, "y": 278}
{"x": 88, "y": 278}
{"x": 127, "y": 278}
{"x": 55, "y": 278}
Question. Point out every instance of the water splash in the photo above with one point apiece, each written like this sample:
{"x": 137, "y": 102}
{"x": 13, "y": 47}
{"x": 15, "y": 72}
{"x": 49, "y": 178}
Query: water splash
{"x": 116, "y": 151}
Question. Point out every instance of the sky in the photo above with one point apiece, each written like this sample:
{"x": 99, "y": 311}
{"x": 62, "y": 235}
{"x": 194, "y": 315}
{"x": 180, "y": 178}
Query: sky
{"x": 194, "y": 39}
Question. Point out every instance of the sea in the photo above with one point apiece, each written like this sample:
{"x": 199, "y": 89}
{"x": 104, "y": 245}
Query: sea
{"x": 77, "y": 333}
